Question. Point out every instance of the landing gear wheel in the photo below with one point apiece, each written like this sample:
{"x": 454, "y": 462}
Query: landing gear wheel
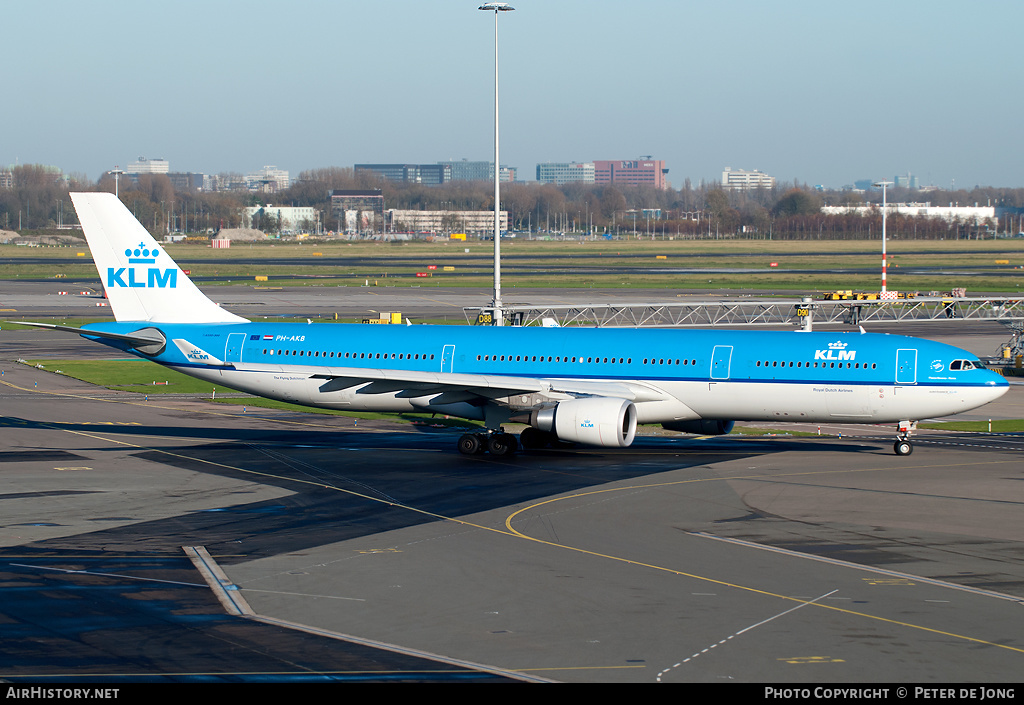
{"x": 469, "y": 444}
{"x": 903, "y": 446}
{"x": 502, "y": 444}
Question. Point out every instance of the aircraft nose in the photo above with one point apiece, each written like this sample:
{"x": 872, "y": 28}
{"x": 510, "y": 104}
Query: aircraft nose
{"x": 997, "y": 385}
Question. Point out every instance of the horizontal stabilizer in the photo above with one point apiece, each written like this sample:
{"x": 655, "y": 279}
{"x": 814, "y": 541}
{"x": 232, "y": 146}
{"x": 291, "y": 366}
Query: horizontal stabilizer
{"x": 148, "y": 340}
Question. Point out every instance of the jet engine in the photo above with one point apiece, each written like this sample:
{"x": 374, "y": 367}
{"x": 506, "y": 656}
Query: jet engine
{"x": 599, "y": 421}
{"x": 702, "y": 427}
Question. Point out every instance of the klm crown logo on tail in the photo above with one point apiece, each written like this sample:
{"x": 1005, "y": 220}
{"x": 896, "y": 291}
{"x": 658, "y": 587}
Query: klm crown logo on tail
{"x": 150, "y": 278}
{"x": 138, "y": 275}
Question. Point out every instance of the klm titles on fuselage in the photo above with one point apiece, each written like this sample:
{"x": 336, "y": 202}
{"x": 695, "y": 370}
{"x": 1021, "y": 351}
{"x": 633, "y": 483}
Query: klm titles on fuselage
{"x": 153, "y": 278}
{"x": 836, "y": 351}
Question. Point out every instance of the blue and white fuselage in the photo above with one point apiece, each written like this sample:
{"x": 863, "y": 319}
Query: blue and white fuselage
{"x": 586, "y": 385}
{"x": 675, "y": 375}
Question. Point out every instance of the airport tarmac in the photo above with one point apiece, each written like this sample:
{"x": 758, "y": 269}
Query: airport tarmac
{"x": 377, "y": 552}
{"x": 42, "y": 299}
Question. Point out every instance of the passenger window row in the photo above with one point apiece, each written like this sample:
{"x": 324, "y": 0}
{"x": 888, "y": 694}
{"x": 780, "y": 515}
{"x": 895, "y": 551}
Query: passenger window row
{"x": 350, "y": 355}
{"x": 553, "y": 358}
{"x": 955, "y": 365}
{"x": 830, "y": 365}
{"x": 484, "y": 358}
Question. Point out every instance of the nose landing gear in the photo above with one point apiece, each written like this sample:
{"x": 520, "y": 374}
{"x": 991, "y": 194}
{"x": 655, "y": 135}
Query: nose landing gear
{"x": 903, "y": 446}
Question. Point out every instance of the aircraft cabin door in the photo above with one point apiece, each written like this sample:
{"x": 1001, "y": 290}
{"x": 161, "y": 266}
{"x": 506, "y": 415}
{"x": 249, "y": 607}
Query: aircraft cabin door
{"x": 906, "y": 366}
{"x": 721, "y": 360}
{"x": 447, "y": 358}
{"x": 233, "y": 348}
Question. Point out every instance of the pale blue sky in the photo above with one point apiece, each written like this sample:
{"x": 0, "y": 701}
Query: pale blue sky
{"x": 824, "y": 92}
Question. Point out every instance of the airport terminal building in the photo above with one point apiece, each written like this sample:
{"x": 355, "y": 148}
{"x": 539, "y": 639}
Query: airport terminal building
{"x": 630, "y": 172}
{"x": 439, "y": 173}
{"x": 430, "y": 174}
{"x": 741, "y": 180}
{"x": 470, "y": 222}
{"x": 565, "y": 172}
{"x": 950, "y": 213}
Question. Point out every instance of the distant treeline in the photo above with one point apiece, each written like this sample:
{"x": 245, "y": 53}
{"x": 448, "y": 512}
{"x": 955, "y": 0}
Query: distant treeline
{"x": 38, "y": 198}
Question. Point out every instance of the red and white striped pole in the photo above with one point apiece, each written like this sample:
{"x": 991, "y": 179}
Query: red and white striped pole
{"x": 885, "y": 209}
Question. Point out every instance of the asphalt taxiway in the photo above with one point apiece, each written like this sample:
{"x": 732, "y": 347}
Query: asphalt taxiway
{"x": 377, "y": 552}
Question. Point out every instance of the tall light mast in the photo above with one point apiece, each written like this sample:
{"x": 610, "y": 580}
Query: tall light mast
{"x": 498, "y": 317}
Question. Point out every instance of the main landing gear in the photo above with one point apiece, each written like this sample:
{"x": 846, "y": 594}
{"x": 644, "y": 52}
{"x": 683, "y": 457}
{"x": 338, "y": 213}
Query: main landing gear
{"x": 500, "y": 443}
{"x": 903, "y": 446}
{"x": 496, "y": 443}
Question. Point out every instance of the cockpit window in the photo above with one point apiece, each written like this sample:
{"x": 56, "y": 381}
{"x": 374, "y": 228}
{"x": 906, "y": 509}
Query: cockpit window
{"x": 964, "y": 365}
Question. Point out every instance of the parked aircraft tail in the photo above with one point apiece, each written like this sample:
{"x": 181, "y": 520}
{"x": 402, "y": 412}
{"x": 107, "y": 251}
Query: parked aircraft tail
{"x": 140, "y": 279}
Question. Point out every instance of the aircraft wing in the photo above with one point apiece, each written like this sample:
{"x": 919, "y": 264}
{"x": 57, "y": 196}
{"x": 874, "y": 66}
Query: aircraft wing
{"x": 454, "y": 386}
{"x": 410, "y": 384}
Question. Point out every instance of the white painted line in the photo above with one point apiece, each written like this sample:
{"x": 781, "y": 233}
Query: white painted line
{"x": 857, "y": 566}
{"x": 228, "y": 594}
{"x": 742, "y": 631}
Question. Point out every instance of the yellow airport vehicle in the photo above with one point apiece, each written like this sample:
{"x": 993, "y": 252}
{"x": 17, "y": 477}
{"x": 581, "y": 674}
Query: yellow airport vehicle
{"x": 849, "y": 295}
{"x": 385, "y": 319}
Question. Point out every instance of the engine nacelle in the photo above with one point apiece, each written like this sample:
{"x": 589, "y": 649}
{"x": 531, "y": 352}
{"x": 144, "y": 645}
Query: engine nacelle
{"x": 702, "y": 427}
{"x": 599, "y": 421}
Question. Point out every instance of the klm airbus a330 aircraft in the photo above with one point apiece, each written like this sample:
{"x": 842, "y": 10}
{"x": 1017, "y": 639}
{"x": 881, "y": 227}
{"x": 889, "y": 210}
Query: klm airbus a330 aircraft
{"x": 583, "y": 385}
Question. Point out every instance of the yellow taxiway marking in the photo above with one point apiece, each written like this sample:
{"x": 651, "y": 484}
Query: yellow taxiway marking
{"x": 511, "y": 518}
{"x": 808, "y": 660}
{"x": 512, "y": 532}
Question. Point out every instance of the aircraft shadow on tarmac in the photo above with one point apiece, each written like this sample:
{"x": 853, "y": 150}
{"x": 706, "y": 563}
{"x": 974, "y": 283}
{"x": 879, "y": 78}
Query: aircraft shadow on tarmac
{"x": 346, "y": 485}
{"x": 407, "y": 435}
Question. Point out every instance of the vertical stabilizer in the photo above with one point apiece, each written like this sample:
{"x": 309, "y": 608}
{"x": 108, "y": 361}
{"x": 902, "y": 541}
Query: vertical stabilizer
{"x": 141, "y": 280}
